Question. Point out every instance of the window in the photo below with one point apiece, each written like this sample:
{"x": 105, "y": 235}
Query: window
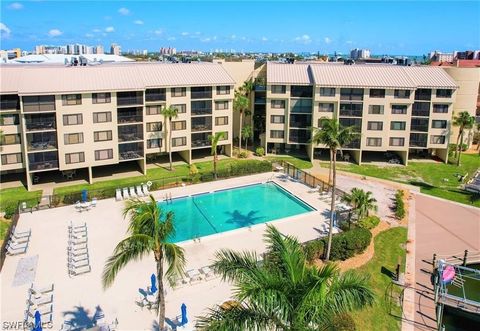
{"x": 438, "y": 124}
{"x": 375, "y": 109}
{"x": 277, "y": 104}
{"x": 154, "y": 94}
{"x": 377, "y": 93}
{"x": 39, "y": 103}
{"x": 181, "y": 108}
{"x": 154, "y": 110}
{"x": 279, "y": 89}
{"x": 401, "y": 94}
{"x": 102, "y": 135}
{"x": 301, "y": 91}
{"x": 301, "y": 106}
{"x": 327, "y": 92}
{"x": 326, "y": 107}
{"x": 375, "y": 126}
{"x": 399, "y": 109}
{"x": 375, "y": 142}
{"x": 178, "y": 125}
{"x": 74, "y": 119}
{"x": 71, "y": 99}
{"x": 277, "y": 119}
{"x": 223, "y": 90}
{"x": 179, "y": 91}
{"x": 351, "y": 109}
{"x": 439, "y": 108}
{"x": 154, "y": 143}
{"x": 102, "y": 117}
{"x": 103, "y": 154}
{"x": 437, "y": 140}
{"x": 444, "y": 93}
{"x": 154, "y": 126}
{"x": 180, "y": 141}
{"x": 10, "y": 139}
{"x": 423, "y": 94}
{"x": 395, "y": 125}
{"x": 279, "y": 134}
{"x": 101, "y": 97}
{"x": 397, "y": 141}
{"x": 73, "y": 138}
{"x": 11, "y": 158}
{"x": 221, "y": 120}
{"x": 221, "y": 105}
{"x": 74, "y": 157}
{"x": 421, "y": 109}
{"x": 351, "y": 94}
{"x": 9, "y": 120}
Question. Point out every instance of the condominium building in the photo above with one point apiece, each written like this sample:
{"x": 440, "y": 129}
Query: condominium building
{"x": 402, "y": 110}
{"x": 115, "y": 49}
{"x": 359, "y": 53}
{"x": 56, "y": 118}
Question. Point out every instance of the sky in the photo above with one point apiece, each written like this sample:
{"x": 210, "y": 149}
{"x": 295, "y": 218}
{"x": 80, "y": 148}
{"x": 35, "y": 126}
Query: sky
{"x": 384, "y": 27}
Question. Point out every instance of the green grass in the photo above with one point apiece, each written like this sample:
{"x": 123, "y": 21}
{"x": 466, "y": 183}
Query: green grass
{"x": 426, "y": 175}
{"x": 12, "y": 196}
{"x": 382, "y": 315}
{"x": 296, "y": 161}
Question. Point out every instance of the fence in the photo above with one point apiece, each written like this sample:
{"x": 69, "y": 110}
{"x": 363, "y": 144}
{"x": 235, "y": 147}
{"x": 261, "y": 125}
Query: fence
{"x": 13, "y": 224}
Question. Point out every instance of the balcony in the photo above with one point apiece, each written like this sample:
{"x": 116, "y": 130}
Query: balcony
{"x": 201, "y": 111}
{"x": 130, "y": 151}
{"x": 125, "y": 119}
{"x": 423, "y": 94}
{"x": 40, "y": 125}
{"x": 420, "y": 128}
{"x": 418, "y": 143}
{"x": 202, "y": 124}
{"x": 155, "y": 95}
{"x": 350, "y": 113}
{"x": 420, "y": 112}
{"x": 9, "y": 102}
{"x": 41, "y": 141}
{"x": 124, "y": 137}
{"x": 42, "y": 161}
{"x": 354, "y": 144}
{"x": 299, "y": 91}
{"x": 39, "y": 103}
{"x": 129, "y": 98}
{"x": 299, "y": 136}
{"x": 201, "y": 92}
{"x": 418, "y": 140}
{"x": 200, "y": 139}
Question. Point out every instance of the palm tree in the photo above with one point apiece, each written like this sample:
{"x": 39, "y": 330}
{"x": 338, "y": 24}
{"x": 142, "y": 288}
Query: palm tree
{"x": 283, "y": 292}
{"x": 149, "y": 229}
{"x": 361, "y": 202}
{"x": 246, "y": 133}
{"x": 168, "y": 114}
{"x": 240, "y": 104}
{"x": 464, "y": 121}
{"x": 214, "y": 139}
{"x": 334, "y": 136}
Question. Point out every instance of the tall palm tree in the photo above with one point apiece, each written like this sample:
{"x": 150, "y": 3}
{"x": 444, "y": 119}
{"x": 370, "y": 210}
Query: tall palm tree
{"x": 464, "y": 121}
{"x": 283, "y": 292}
{"x": 168, "y": 114}
{"x": 334, "y": 136}
{"x": 214, "y": 139}
{"x": 247, "y": 133}
{"x": 149, "y": 229}
{"x": 241, "y": 104}
{"x": 362, "y": 202}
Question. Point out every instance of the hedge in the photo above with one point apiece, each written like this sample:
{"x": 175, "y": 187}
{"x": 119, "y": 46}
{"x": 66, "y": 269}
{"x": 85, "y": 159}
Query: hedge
{"x": 399, "y": 205}
{"x": 369, "y": 222}
{"x": 313, "y": 250}
{"x": 346, "y": 244}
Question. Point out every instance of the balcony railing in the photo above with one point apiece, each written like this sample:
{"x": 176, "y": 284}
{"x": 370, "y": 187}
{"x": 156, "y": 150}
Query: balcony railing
{"x": 201, "y": 127}
{"x": 421, "y": 128}
{"x": 351, "y": 97}
{"x": 129, "y": 118}
{"x": 155, "y": 97}
{"x": 35, "y": 126}
{"x": 52, "y": 164}
{"x": 351, "y": 113}
{"x": 130, "y": 136}
{"x": 353, "y": 144}
{"x": 9, "y": 104}
{"x": 127, "y": 101}
{"x": 418, "y": 143}
{"x": 130, "y": 155}
{"x": 41, "y": 145}
{"x": 38, "y": 107}
{"x": 201, "y": 111}
{"x": 201, "y": 143}
{"x": 420, "y": 112}
{"x": 201, "y": 95}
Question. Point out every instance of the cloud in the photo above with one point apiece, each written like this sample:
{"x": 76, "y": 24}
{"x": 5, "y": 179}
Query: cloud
{"x": 15, "y": 6}
{"x": 138, "y": 22}
{"x": 124, "y": 11}
{"x": 109, "y": 29}
{"x": 264, "y": 39}
{"x": 305, "y": 39}
{"x": 89, "y": 35}
{"x": 327, "y": 40}
{"x": 206, "y": 40}
{"x": 158, "y": 32}
{"x": 96, "y": 30}
{"x": 55, "y": 33}
{"x": 171, "y": 38}
{"x": 185, "y": 33}
{"x": 4, "y": 30}
{"x": 233, "y": 37}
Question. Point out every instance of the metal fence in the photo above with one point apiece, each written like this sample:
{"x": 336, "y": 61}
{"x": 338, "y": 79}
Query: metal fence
{"x": 8, "y": 234}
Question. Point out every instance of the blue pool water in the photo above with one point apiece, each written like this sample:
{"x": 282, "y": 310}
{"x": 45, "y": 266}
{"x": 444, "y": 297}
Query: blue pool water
{"x": 226, "y": 210}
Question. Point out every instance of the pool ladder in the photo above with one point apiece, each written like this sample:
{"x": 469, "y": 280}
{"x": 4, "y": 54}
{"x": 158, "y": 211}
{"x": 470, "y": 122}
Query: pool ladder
{"x": 168, "y": 197}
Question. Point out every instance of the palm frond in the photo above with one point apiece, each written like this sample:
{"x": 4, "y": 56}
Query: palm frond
{"x": 175, "y": 258}
{"x": 234, "y": 266}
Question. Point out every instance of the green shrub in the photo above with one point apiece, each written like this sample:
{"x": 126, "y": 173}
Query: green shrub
{"x": 313, "y": 250}
{"x": 399, "y": 205}
{"x": 10, "y": 209}
{"x": 243, "y": 155}
{"x": 346, "y": 244}
{"x": 343, "y": 322}
{"x": 260, "y": 151}
{"x": 369, "y": 222}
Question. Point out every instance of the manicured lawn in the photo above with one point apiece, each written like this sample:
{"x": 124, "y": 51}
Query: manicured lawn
{"x": 437, "y": 179}
{"x": 383, "y": 314}
{"x": 4, "y": 224}
{"x": 12, "y": 196}
{"x": 297, "y": 162}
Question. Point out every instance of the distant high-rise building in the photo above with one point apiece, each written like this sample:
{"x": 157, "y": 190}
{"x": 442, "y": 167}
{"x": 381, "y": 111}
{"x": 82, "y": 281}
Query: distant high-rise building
{"x": 437, "y": 56}
{"x": 145, "y": 52}
{"x": 359, "y": 53}
{"x": 115, "y": 49}
{"x": 70, "y": 49}
{"x": 99, "y": 49}
{"x": 40, "y": 49}
{"x": 168, "y": 51}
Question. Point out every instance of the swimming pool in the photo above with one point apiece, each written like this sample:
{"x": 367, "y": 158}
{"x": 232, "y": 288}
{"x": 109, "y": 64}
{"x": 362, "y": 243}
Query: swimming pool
{"x": 224, "y": 210}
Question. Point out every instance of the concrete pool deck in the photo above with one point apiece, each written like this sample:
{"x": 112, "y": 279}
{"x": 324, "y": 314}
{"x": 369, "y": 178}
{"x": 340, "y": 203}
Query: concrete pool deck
{"x": 78, "y": 297}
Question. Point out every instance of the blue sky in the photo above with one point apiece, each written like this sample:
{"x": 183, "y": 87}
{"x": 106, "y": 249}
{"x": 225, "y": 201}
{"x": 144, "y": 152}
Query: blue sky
{"x": 408, "y": 28}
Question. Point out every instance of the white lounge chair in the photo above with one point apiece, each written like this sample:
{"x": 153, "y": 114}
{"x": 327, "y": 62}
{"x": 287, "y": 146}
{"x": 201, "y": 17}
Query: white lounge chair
{"x": 45, "y": 310}
{"x": 78, "y": 253}
{"x": 132, "y": 192}
{"x": 77, "y": 247}
{"x": 78, "y": 241}
{"x": 41, "y": 290}
{"x": 118, "y": 194}
{"x": 78, "y": 259}
{"x": 79, "y": 271}
{"x": 21, "y": 234}
{"x": 125, "y": 193}
{"x": 43, "y": 300}
{"x": 18, "y": 241}
{"x": 145, "y": 189}
{"x": 207, "y": 272}
{"x": 78, "y": 265}
{"x": 78, "y": 225}
{"x": 77, "y": 231}
{"x": 139, "y": 191}
{"x": 77, "y": 236}
{"x": 16, "y": 251}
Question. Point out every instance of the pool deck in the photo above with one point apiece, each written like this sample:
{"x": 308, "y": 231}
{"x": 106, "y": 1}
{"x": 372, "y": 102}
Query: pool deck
{"x": 77, "y": 297}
